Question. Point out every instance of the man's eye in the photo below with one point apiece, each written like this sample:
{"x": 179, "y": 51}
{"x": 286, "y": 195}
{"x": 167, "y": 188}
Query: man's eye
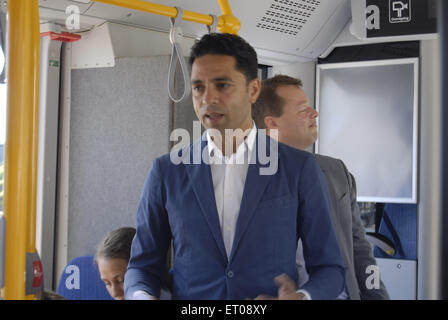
{"x": 197, "y": 88}
{"x": 222, "y": 85}
{"x": 304, "y": 110}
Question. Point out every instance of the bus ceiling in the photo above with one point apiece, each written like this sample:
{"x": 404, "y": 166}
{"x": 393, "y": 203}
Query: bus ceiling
{"x": 282, "y": 31}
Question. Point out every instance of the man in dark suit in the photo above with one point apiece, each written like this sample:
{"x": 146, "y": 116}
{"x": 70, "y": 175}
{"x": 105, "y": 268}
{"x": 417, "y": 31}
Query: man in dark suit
{"x": 284, "y": 106}
{"x": 235, "y": 204}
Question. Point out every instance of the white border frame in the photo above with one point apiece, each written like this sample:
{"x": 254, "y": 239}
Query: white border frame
{"x": 412, "y": 61}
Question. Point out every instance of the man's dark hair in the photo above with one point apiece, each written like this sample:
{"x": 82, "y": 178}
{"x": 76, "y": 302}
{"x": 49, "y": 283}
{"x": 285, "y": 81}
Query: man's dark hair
{"x": 269, "y": 103}
{"x": 116, "y": 245}
{"x": 229, "y": 45}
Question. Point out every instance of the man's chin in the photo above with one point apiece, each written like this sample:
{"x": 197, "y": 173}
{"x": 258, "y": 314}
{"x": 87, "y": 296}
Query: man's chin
{"x": 312, "y": 140}
{"x": 213, "y": 125}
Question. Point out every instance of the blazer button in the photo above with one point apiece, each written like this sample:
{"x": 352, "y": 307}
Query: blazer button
{"x": 230, "y": 274}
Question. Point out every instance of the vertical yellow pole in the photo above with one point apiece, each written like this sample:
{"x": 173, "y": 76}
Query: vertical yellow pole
{"x": 225, "y": 7}
{"x": 31, "y": 233}
{"x": 231, "y": 24}
{"x": 31, "y": 241}
{"x": 20, "y": 136}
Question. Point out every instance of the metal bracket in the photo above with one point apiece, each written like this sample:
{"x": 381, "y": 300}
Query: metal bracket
{"x": 212, "y": 28}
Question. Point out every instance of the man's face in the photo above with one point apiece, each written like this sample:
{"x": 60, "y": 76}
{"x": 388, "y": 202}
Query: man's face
{"x": 222, "y": 98}
{"x": 297, "y": 125}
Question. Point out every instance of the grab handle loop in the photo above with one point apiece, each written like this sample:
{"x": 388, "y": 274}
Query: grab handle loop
{"x": 176, "y": 55}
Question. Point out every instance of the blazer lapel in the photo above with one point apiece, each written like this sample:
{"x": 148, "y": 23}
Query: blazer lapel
{"x": 253, "y": 189}
{"x": 202, "y": 184}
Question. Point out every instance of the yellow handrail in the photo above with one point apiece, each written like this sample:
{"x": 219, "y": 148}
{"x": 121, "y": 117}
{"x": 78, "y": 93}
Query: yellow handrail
{"x": 227, "y": 23}
{"x": 21, "y": 135}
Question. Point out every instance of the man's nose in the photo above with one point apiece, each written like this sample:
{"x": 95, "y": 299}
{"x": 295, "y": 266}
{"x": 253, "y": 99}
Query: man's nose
{"x": 314, "y": 113}
{"x": 210, "y": 95}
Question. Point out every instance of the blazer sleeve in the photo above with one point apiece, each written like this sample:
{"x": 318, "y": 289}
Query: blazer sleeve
{"x": 362, "y": 249}
{"x": 322, "y": 255}
{"x": 151, "y": 242}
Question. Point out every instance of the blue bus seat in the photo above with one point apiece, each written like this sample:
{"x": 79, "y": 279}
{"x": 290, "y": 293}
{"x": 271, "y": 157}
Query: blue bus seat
{"x": 81, "y": 280}
{"x": 399, "y": 224}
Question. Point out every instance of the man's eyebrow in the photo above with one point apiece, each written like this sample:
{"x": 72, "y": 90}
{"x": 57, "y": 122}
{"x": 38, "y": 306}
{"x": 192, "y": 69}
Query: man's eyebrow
{"x": 222, "y": 79}
{"x": 302, "y": 102}
{"x": 218, "y": 79}
{"x": 193, "y": 81}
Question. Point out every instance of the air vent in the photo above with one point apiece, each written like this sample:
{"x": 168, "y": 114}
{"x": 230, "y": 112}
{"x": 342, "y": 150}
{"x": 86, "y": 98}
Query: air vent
{"x": 287, "y": 16}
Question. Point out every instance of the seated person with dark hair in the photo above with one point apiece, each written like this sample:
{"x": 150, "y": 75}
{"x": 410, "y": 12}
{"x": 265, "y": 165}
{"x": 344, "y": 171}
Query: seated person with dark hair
{"x": 112, "y": 257}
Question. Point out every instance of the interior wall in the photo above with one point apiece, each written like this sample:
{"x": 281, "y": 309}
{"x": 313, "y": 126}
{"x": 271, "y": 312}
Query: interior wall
{"x": 121, "y": 118}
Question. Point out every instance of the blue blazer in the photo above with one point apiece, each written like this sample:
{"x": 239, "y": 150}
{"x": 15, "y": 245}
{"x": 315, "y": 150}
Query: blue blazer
{"x": 178, "y": 203}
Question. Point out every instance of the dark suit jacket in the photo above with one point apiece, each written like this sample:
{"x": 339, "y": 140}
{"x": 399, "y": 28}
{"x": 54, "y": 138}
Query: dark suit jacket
{"x": 178, "y": 203}
{"x": 356, "y": 250}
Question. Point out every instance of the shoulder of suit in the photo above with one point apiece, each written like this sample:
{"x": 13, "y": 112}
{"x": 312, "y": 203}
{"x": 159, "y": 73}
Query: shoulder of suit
{"x": 328, "y": 161}
{"x": 293, "y": 151}
{"x": 333, "y": 167}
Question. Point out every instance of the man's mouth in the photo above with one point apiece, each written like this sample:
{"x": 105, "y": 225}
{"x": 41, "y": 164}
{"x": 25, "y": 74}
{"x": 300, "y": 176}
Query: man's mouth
{"x": 214, "y": 116}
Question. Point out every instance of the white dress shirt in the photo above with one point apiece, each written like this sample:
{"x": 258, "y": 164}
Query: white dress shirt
{"x": 229, "y": 176}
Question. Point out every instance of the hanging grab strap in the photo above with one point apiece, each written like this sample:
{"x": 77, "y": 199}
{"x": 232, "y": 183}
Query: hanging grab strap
{"x": 176, "y": 54}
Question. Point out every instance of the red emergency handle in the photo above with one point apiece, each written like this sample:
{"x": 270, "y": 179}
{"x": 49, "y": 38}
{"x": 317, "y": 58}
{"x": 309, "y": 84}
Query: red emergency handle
{"x": 63, "y": 36}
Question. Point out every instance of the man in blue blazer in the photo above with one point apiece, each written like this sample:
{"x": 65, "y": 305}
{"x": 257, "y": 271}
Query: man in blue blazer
{"x": 234, "y": 205}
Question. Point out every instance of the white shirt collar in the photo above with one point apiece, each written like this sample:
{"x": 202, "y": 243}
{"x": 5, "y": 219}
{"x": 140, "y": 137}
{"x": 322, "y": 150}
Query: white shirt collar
{"x": 248, "y": 142}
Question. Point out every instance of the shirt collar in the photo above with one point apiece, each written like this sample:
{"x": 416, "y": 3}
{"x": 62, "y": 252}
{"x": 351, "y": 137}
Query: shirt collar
{"x": 248, "y": 142}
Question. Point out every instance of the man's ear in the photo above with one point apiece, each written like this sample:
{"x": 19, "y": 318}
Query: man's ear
{"x": 270, "y": 122}
{"x": 254, "y": 90}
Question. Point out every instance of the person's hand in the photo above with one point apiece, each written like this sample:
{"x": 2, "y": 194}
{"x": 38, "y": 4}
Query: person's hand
{"x": 286, "y": 290}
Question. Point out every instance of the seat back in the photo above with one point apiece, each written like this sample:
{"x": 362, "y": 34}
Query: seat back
{"x": 399, "y": 224}
{"x": 81, "y": 280}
